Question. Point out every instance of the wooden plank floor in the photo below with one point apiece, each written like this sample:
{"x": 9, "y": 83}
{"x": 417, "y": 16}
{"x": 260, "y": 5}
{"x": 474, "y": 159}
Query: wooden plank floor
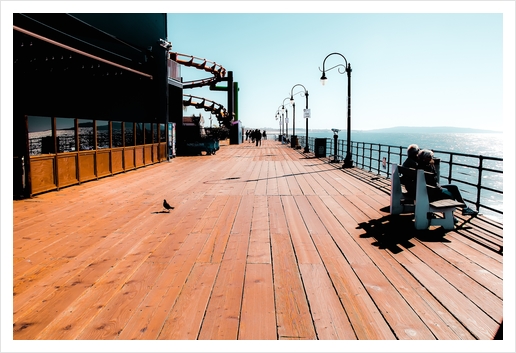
{"x": 264, "y": 243}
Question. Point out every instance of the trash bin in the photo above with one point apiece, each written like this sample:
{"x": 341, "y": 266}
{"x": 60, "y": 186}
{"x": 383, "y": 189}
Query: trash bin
{"x": 320, "y": 147}
{"x": 293, "y": 141}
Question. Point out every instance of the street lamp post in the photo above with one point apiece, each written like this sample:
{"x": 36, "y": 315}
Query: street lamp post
{"x": 278, "y": 116}
{"x": 285, "y": 128}
{"x": 306, "y": 150}
{"x": 293, "y": 137}
{"x": 281, "y": 112}
{"x": 348, "y": 162}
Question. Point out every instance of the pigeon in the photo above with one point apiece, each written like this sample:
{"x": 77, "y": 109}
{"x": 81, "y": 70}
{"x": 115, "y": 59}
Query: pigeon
{"x": 167, "y": 206}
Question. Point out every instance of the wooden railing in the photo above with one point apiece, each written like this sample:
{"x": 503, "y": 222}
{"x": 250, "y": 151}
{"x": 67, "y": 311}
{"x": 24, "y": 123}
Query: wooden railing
{"x": 55, "y": 171}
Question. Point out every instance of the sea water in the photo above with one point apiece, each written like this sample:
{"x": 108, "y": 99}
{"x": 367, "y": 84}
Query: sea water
{"x": 485, "y": 144}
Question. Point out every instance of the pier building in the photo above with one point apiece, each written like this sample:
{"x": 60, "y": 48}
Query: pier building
{"x": 93, "y": 94}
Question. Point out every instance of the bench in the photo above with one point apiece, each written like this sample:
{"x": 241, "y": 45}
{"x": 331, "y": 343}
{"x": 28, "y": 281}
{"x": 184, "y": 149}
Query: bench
{"x": 400, "y": 200}
{"x": 424, "y": 210}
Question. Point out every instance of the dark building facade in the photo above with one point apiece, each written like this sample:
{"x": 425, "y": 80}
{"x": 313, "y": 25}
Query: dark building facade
{"x": 92, "y": 97}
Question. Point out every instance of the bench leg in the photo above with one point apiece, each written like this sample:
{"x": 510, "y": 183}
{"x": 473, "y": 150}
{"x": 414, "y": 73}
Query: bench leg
{"x": 446, "y": 222}
{"x": 421, "y": 221}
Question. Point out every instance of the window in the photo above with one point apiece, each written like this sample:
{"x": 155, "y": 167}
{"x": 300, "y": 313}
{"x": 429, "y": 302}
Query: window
{"x": 148, "y": 133}
{"x": 129, "y": 134}
{"x": 86, "y": 136}
{"x": 118, "y": 138}
{"x": 162, "y": 133}
{"x": 65, "y": 131}
{"x": 41, "y": 140}
{"x": 102, "y": 134}
{"x": 155, "y": 133}
{"x": 139, "y": 133}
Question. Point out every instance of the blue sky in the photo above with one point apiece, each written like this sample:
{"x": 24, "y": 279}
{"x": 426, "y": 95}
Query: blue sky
{"x": 408, "y": 69}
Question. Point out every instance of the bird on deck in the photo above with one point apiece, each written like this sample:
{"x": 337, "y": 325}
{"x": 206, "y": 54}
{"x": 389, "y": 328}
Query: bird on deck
{"x": 166, "y": 206}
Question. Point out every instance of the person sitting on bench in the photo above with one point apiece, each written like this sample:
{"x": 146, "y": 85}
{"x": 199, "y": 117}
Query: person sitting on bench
{"x": 411, "y": 162}
{"x": 440, "y": 192}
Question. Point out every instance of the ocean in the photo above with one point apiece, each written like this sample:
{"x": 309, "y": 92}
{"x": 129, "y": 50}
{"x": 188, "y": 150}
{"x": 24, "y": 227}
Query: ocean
{"x": 485, "y": 144}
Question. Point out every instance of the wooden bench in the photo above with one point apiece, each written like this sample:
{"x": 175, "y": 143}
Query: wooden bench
{"x": 401, "y": 202}
{"x": 424, "y": 210}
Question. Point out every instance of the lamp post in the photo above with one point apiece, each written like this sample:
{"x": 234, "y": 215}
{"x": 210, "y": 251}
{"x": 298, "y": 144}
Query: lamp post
{"x": 306, "y": 150}
{"x": 348, "y": 163}
{"x": 293, "y": 138}
{"x": 281, "y": 111}
{"x": 285, "y": 130}
{"x": 278, "y": 116}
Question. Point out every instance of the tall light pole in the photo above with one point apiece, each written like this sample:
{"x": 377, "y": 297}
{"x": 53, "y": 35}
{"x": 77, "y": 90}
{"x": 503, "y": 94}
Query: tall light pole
{"x": 280, "y": 113}
{"x": 278, "y": 116}
{"x": 285, "y": 130}
{"x": 293, "y": 138}
{"x": 348, "y": 162}
{"x": 306, "y": 150}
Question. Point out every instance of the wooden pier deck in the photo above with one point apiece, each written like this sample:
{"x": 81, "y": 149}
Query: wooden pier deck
{"x": 264, "y": 243}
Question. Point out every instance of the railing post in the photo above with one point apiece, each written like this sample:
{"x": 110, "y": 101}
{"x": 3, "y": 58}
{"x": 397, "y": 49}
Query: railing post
{"x": 450, "y": 167}
{"x": 479, "y": 180}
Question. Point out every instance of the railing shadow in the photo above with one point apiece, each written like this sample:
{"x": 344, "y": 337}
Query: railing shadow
{"x": 395, "y": 232}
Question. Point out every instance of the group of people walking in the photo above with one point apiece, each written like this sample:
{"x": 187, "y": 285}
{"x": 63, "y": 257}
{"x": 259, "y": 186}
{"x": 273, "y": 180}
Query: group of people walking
{"x": 255, "y": 136}
{"x": 424, "y": 159}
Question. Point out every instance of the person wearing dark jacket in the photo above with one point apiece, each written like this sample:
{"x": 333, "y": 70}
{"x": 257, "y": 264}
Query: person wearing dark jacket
{"x": 411, "y": 162}
{"x": 440, "y": 192}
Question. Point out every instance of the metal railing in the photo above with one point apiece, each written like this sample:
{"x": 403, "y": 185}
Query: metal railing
{"x": 479, "y": 178}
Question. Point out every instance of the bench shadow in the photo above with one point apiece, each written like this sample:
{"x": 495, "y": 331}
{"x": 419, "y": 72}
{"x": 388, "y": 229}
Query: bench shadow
{"x": 395, "y": 232}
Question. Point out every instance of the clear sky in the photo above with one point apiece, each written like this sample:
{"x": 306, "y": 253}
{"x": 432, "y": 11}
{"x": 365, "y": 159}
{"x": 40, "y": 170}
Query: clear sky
{"x": 408, "y": 69}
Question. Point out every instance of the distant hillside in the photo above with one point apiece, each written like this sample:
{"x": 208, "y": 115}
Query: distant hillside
{"x": 430, "y": 130}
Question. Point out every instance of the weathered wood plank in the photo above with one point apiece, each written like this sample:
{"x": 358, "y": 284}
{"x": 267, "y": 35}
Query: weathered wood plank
{"x": 259, "y": 239}
{"x": 293, "y": 185}
{"x": 185, "y": 319}
{"x": 330, "y": 319}
{"x": 223, "y": 312}
{"x": 258, "y": 319}
{"x": 213, "y": 250}
{"x": 306, "y": 252}
{"x": 292, "y": 311}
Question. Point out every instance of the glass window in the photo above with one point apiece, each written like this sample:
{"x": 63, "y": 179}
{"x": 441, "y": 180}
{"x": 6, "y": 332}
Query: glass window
{"x": 118, "y": 140}
{"x": 86, "y": 137}
{"x": 40, "y": 135}
{"x": 102, "y": 134}
{"x": 65, "y": 130}
{"x": 155, "y": 133}
{"x": 162, "y": 136}
{"x": 129, "y": 133}
{"x": 148, "y": 133}
{"x": 139, "y": 133}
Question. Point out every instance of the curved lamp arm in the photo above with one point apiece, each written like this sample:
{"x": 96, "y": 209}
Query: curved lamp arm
{"x": 292, "y": 94}
{"x": 347, "y": 67}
